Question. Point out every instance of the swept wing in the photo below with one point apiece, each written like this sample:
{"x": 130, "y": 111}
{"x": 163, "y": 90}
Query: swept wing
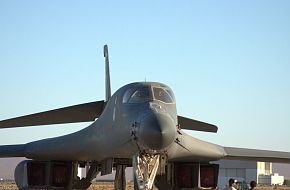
{"x": 190, "y": 149}
{"x": 71, "y": 114}
{"x": 191, "y": 124}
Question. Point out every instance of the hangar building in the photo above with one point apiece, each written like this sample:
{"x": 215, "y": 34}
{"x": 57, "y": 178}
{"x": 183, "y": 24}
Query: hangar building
{"x": 247, "y": 171}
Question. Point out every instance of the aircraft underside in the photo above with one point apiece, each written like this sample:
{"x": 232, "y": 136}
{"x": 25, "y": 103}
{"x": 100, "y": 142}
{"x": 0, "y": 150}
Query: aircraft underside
{"x": 148, "y": 171}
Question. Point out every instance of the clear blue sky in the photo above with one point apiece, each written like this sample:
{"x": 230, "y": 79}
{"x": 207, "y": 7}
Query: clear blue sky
{"x": 228, "y": 62}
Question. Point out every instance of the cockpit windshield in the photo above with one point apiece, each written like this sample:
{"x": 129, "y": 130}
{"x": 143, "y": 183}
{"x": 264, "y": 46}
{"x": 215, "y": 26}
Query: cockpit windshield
{"x": 143, "y": 94}
{"x": 138, "y": 95}
{"x": 164, "y": 95}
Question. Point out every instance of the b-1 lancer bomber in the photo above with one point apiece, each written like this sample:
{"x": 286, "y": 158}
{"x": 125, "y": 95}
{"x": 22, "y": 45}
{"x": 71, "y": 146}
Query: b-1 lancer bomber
{"x": 138, "y": 126}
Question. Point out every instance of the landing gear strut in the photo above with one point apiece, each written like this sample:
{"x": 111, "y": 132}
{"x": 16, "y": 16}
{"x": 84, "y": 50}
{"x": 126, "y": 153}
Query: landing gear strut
{"x": 145, "y": 168}
{"x": 85, "y": 183}
{"x": 120, "y": 178}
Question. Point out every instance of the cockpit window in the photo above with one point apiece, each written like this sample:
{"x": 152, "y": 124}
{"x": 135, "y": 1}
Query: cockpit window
{"x": 139, "y": 95}
{"x": 163, "y": 95}
{"x": 143, "y": 94}
{"x": 171, "y": 94}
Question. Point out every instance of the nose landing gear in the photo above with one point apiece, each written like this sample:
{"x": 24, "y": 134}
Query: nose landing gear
{"x": 145, "y": 168}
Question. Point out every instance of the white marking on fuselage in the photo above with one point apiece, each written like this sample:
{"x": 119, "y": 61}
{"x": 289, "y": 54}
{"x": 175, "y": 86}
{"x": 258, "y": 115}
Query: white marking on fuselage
{"x": 114, "y": 114}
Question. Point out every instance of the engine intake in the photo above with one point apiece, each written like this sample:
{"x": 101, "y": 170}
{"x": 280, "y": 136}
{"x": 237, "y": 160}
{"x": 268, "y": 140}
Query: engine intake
{"x": 30, "y": 174}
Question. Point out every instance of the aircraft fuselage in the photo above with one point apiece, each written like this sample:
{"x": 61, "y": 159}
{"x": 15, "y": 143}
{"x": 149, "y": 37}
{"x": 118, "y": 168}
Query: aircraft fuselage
{"x": 138, "y": 117}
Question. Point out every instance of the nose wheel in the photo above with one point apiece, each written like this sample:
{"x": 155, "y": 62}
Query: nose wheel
{"x": 145, "y": 168}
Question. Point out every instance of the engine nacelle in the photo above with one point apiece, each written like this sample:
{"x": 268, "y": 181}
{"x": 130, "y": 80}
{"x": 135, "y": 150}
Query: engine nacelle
{"x": 30, "y": 174}
{"x": 188, "y": 175}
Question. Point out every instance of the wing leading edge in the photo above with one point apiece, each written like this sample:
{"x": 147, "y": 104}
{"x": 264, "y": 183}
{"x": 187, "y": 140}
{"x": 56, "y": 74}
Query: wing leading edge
{"x": 71, "y": 114}
{"x": 256, "y": 155}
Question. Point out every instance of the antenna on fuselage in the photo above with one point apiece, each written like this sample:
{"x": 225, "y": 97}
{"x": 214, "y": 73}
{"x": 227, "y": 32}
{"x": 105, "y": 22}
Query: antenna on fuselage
{"x": 107, "y": 82}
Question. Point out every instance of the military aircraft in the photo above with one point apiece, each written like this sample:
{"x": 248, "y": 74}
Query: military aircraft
{"x": 137, "y": 126}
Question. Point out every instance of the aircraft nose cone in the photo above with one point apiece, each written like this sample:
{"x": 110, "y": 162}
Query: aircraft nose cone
{"x": 157, "y": 131}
